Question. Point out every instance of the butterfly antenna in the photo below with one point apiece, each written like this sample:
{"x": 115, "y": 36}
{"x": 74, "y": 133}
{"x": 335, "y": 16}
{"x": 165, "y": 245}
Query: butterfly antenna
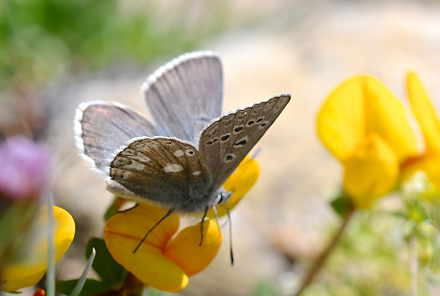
{"x": 230, "y": 234}
{"x": 151, "y": 229}
{"x": 201, "y": 227}
{"x": 255, "y": 154}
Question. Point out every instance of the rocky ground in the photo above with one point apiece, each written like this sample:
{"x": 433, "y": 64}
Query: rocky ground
{"x": 303, "y": 47}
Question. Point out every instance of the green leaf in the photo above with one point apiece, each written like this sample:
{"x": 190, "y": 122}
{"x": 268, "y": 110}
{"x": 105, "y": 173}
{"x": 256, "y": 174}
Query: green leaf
{"x": 83, "y": 278}
{"x": 341, "y": 204}
{"x": 110, "y": 272}
{"x": 90, "y": 288}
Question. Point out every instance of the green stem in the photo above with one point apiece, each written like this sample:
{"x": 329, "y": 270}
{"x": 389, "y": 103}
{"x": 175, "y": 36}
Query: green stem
{"x": 50, "y": 274}
{"x": 322, "y": 258}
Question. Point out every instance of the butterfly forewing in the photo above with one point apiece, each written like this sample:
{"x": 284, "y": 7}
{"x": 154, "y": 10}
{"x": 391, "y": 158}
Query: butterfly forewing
{"x": 185, "y": 95}
{"x": 225, "y": 142}
{"x": 164, "y": 170}
{"x": 101, "y": 128}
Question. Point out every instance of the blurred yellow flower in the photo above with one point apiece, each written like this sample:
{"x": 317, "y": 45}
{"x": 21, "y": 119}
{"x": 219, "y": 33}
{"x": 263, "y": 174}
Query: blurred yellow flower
{"x": 165, "y": 263}
{"x": 28, "y": 269}
{"x": 366, "y": 128}
{"x": 429, "y": 160}
{"x": 161, "y": 262}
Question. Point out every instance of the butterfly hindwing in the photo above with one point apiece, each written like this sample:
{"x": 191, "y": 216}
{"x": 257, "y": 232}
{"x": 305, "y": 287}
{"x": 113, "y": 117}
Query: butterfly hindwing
{"x": 226, "y": 141}
{"x": 164, "y": 170}
{"x": 102, "y": 127}
{"x": 184, "y": 95}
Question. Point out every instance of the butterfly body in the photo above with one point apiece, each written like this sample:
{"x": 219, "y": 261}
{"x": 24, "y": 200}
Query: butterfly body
{"x": 182, "y": 159}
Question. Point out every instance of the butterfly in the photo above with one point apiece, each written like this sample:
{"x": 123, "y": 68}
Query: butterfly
{"x": 182, "y": 157}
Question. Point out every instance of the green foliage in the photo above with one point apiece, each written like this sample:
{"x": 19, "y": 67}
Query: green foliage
{"x": 371, "y": 259}
{"x": 43, "y": 39}
{"x": 341, "y": 204}
{"x": 111, "y": 274}
{"x": 374, "y": 254}
{"x": 264, "y": 288}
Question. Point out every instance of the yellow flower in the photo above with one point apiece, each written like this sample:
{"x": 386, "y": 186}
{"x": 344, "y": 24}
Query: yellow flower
{"x": 29, "y": 268}
{"x": 365, "y": 127}
{"x": 429, "y": 160}
{"x": 162, "y": 261}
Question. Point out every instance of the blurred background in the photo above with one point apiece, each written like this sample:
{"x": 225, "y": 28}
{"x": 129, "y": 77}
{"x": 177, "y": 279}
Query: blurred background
{"x": 57, "y": 54}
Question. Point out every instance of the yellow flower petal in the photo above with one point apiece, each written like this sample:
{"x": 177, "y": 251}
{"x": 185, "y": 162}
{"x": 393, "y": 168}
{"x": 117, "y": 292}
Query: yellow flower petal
{"x": 358, "y": 107}
{"x": 370, "y": 172}
{"x": 27, "y": 279}
{"x": 32, "y": 266}
{"x": 134, "y": 223}
{"x": 340, "y": 122}
{"x": 239, "y": 183}
{"x": 424, "y": 113}
{"x": 185, "y": 249}
{"x": 430, "y": 165}
{"x": 125, "y": 230}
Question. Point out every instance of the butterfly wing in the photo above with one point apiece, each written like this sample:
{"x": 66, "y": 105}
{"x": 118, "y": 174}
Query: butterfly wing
{"x": 226, "y": 141}
{"x": 163, "y": 170}
{"x": 101, "y": 128}
{"x": 184, "y": 95}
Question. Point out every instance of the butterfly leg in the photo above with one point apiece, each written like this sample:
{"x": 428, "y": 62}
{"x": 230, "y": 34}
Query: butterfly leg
{"x": 151, "y": 229}
{"x": 201, "y": 227}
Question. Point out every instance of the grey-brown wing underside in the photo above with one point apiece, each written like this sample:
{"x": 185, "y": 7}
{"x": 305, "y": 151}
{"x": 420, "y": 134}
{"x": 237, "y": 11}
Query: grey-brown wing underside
{"x": 164, "y": 170}
{"x": 225, "y": 142}
{"x": 101, "y": 128}
{"x": 184, "y": 95}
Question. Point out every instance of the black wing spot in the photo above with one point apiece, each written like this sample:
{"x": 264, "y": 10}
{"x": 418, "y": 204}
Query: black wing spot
{"x": 238, "y": 129}
{"x": 224, "y": 138}
{"x": 215, "y": 140}
{"x": 263, "y": 124}
{"x": 250, "y": 122}
{"x": 260, "y": 119}
{"x": 229, "y": 157}
{"x": 240, "y": 143}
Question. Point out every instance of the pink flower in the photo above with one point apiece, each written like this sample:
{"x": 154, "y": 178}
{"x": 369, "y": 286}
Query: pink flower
{"x": 25, "y": 168}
